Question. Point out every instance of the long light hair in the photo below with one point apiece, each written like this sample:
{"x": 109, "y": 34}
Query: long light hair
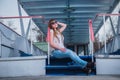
{"x": 57, "y": 31}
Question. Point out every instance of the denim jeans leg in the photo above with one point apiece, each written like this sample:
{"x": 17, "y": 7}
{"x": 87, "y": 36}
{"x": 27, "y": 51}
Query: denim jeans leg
{"x": 59, "y": 54}
{"x": 76, "y": 58}
{"x": 69, "y": 53}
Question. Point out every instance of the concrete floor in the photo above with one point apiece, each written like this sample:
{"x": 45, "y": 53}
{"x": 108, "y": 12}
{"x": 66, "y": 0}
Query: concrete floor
{"x": 64, "y": 78}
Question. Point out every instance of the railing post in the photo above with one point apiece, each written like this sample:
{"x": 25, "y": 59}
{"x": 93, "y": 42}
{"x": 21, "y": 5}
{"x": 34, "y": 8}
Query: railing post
{"x": 48, "y": 53}
{"x": 31, "y": 43}
{"x": 0, "y": 44}
{"x": 21, "y": 20}
{"x": 104, "y": 34}
{"x": 27, "y": 32}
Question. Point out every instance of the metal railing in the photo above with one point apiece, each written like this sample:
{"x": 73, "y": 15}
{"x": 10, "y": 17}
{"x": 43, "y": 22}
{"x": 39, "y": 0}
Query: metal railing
{"x": 9, "y": 45}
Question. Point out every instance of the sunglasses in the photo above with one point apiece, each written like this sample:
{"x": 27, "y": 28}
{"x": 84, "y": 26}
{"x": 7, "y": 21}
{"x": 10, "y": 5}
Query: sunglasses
{"x": 54, "y": 22}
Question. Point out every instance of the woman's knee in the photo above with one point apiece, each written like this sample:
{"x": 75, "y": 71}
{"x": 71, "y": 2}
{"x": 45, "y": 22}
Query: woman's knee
{"x": 69, "y": 52}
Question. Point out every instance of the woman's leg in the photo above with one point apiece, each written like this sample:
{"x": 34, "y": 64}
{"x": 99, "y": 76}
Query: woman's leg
{"x": 71, "y": 54}
{"x": 59, "y": 54}
{"x": 76, "y": 58}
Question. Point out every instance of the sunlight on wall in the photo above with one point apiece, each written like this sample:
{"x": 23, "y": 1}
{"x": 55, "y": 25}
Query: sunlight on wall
{"x": 10, "y": 8}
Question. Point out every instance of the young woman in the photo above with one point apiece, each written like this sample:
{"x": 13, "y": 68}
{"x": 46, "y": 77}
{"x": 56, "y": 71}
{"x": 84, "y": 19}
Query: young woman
{"x": 58, "y": 48}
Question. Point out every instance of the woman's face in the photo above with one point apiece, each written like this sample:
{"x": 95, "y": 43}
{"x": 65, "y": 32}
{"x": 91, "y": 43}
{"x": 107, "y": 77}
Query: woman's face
{"x": 54, "y": 24}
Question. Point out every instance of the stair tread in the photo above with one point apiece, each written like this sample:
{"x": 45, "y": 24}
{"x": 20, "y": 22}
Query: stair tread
{"x": 63, "y": 66}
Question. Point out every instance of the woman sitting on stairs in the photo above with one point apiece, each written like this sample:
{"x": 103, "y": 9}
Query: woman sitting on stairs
{"x": 58, "y": 48}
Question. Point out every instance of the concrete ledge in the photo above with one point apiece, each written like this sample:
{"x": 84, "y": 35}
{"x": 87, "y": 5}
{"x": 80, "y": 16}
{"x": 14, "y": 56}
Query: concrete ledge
{"x": 23, "y": 58}
{"x": 108, "y": 65}
{"x": 22, "y": 66}
{"x": 108, "y": 56}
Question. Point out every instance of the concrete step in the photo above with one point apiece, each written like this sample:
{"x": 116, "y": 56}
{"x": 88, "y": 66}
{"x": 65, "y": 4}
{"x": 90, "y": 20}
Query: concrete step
{"x": 67, "y": 70}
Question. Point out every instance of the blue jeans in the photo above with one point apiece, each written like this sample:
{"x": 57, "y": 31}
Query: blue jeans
{"x": 69, "y": 53}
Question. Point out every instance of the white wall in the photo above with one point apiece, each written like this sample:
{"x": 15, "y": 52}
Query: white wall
{"x": 108, "y": 25}
{"x": 10, "y": 8}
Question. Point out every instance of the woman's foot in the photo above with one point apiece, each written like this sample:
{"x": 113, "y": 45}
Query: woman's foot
{"x": 87, "y": 70}
{"x": 90, "y": 65}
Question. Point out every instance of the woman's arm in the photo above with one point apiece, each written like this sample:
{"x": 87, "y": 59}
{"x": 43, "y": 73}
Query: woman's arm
{"x": 63, "y": 26}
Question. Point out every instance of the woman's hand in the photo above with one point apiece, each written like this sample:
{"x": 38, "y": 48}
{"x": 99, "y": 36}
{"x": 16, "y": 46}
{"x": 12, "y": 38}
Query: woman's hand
{"x": 63, "y": 49}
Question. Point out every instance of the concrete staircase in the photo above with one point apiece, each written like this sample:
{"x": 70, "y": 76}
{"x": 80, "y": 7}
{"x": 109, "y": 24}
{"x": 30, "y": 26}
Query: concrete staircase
{"x": 66, "y": 66}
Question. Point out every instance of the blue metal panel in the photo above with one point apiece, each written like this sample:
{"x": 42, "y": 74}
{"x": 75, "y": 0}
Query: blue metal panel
{"x": 75, "y": 13}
